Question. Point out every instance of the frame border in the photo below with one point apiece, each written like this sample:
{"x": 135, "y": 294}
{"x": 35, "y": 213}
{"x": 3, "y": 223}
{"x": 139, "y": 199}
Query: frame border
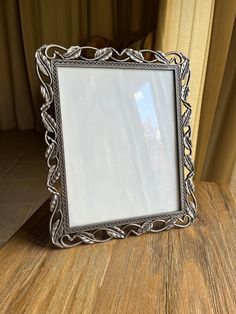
{"x": 46, "y": 66}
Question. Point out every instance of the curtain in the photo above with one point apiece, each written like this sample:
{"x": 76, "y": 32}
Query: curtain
{"x": 204, "y": 30}
{"x": 16, "y": 107}
{"x": 216, "y": 147}
{"x": 25, "y": 25}
{"x": 185, "y": 25}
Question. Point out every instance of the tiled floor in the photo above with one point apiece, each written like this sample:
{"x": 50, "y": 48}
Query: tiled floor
{"x": 23, "y": 174}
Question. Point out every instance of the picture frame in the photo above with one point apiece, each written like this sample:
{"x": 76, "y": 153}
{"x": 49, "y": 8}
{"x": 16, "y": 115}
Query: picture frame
{"x": 62, "y": 72}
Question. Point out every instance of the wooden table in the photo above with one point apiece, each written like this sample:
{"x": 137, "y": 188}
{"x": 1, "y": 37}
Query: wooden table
{"x": 190, "y": 270}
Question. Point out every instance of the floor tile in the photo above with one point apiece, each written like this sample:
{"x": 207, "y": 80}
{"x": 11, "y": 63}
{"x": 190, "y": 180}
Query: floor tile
{"x": 10, "y": 154}
{"x": 4, "y": 167}
{"x": 16, "y": 138}
{"x": 28, "y": 171}
{"x": 12, "y": 217}
{"x": 26, "y": 191}
{"x": 23, "y": 173}
{"x": 38, "y": 141}
{"x": 43, "y": 196}
{"x": 35, "y": 155}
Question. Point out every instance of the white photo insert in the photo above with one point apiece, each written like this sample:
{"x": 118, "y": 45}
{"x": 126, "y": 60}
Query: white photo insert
{"x": 119, "y": 131}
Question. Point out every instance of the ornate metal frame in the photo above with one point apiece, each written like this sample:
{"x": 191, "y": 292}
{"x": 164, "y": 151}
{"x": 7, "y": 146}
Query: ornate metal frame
{"x": 48, "y": 57}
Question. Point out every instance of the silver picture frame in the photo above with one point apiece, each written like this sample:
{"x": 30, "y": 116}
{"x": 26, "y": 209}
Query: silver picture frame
{"x": 48, "y": 59}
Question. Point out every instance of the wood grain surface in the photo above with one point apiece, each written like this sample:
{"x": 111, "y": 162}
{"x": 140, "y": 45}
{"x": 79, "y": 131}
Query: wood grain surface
{"x": 180, "y": 271}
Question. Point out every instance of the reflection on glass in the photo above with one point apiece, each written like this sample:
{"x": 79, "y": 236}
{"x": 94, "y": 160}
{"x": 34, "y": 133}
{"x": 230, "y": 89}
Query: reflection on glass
{"x": 149, "y": 122}
{"x": 158, "y": 155}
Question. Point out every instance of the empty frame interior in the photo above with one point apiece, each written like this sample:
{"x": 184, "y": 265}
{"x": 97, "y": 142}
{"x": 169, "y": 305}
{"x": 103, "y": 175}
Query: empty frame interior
{"x": 119, "y": 136}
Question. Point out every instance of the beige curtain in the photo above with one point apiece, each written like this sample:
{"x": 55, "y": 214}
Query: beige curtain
{"x": 185, "y": 25}
{"x": 25, "y": 25}
{"x": 216, "y": 147}
{"x": 205, "y": 31}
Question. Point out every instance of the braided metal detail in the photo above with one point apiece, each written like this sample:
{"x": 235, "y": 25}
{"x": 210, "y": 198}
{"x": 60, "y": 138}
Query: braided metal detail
{"x": 63, "y": 238}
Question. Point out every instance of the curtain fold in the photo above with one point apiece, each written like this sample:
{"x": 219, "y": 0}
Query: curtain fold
{"x": 185, "y": 25}
{"x": 216, "y": 146}
{"x": 220, "y": 155}
{"x": 204, "y": 30}
{"x": 16, "y": 108}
